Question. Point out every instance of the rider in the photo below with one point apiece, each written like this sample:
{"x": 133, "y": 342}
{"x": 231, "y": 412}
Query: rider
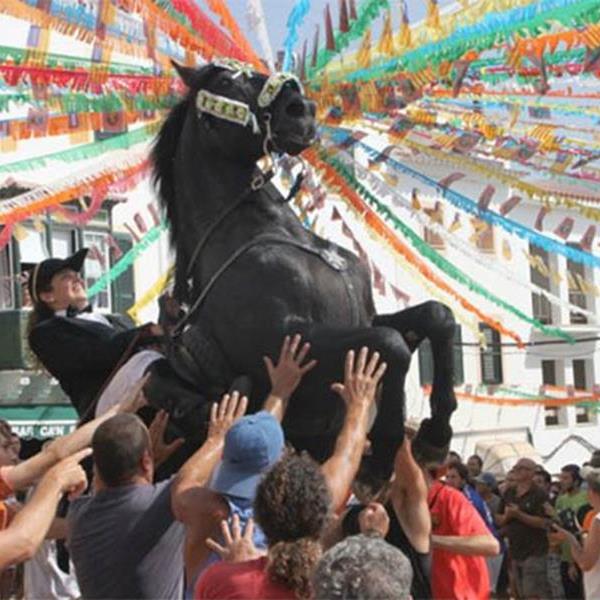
{"x": 79, "y": 347}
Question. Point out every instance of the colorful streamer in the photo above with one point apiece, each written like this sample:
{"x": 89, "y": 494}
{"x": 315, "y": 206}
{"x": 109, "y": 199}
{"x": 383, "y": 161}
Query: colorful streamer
{"x": 367, "y": 12}
{"x": 333, "y": 178}
{"x": 85, "y": 151}
{"x": 381, "y": 188}
{"x": 469, "y": 206}
{"x": 155, "y": 290}
{"x": 127, "y": 259}
{"x": 492, "y": 29}
{"x": 68, "y": 188}
{"x": 299, "y": 11}
{"x": 436, "y": 258}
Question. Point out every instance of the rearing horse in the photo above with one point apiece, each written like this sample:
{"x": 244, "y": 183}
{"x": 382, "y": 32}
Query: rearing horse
{"x": 252, "y": 273}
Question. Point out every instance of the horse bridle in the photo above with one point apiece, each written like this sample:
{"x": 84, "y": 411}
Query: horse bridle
{"x": 240, "y": 113}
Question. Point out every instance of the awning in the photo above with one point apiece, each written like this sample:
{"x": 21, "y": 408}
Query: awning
{"x": 499, "y": 456}
{"x": 40, "y": 421}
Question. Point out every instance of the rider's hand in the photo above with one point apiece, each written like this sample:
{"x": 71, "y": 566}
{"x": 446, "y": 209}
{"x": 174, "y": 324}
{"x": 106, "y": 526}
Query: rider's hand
{"x": 225, "y": 414}
{"x": 285, "y": 376}
{"x": 361, "y": 379}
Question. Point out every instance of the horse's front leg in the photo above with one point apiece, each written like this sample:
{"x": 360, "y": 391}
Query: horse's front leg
{"x": 329, "y": 346}
{"x": 434, "y": 321}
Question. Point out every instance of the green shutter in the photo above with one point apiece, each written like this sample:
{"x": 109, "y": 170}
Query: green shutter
{"x": 123, "y": 288}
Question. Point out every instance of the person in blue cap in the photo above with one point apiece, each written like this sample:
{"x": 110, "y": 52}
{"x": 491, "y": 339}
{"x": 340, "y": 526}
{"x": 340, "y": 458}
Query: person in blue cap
{"x": 252, "y": 446}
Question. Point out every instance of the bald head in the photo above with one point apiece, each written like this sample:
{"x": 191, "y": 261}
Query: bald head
{"x": 121, "y": 445}
{"x": 524, "y": 470}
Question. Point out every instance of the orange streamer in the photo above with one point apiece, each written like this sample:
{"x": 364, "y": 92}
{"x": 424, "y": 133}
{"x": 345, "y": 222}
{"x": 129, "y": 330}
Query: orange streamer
{"x": 53, "y": 199}
{"x": 219, "y": 7}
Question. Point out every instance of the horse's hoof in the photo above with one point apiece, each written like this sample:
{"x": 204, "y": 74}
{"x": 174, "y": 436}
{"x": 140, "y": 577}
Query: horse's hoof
{"x": 432, "y": 443}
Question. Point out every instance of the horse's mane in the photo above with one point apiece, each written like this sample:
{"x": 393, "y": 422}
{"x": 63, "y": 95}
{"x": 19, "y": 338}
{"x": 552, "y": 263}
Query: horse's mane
{"x": 163, "y": 157}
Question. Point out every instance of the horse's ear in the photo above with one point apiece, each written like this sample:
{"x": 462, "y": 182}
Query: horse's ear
{"x": 188, "y": 75}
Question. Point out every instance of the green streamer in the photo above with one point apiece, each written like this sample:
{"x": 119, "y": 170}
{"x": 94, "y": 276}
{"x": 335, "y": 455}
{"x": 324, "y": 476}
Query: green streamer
{"x": 79, "y": 103}
{"x": 367, "y": 11}
{"x": 119, "y": 142}
{"x": 127, "y": 259}
{"x": 18, "y": 56}
{"x": 432, "y": 255}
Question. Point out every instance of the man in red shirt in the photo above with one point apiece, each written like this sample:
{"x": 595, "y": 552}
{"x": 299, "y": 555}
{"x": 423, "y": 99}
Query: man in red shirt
{"x": 460, "y": 541}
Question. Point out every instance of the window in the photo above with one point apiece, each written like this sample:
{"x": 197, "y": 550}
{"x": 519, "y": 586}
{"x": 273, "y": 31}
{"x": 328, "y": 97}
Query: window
{"x": 426, "y": 360}
{"x": 549, "y": 372}
{"x": 579, "y": 375}
{"x": 553, "y": 415}
{"x": 583, "y": 414}
{"x": 63, "y": 242}
{"x": 540, "y": 275}
{"x": 491, "y": 357}
{"x": 97, "y": 264}
{"x": 577, "y": 296}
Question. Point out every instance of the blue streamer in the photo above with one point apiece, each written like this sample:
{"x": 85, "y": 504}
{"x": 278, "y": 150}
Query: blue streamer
{"x": 297, "y": 16}
{"x": 470, "y": 206}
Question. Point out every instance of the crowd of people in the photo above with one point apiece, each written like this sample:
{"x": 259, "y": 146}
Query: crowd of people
{"x": 247, "y": 516}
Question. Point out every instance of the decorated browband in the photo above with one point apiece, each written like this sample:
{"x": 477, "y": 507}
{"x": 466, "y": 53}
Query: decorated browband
{"x": 236, "y": 111}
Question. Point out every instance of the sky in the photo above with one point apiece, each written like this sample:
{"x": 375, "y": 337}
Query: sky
{"x": 277, "y": 11}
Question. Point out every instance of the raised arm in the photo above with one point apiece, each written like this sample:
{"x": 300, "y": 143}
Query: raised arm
{"x": 358, "y": 392}
{"x": 408, "y": 494}
{"x": 286, "y": 375}
{"x": 29, "y": 471}
{"x": 29, "y": 527}
{"x": 186, "y": 490}
{"x": 585, "y": 556}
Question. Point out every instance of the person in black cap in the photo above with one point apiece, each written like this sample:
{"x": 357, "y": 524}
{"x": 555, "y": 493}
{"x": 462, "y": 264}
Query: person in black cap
{"x": 80, "y": 348}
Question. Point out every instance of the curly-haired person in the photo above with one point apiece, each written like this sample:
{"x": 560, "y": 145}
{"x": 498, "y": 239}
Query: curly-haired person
{"x": 293, "y": 505}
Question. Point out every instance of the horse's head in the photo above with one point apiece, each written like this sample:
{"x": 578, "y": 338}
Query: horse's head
{"x": 244, "y": 113}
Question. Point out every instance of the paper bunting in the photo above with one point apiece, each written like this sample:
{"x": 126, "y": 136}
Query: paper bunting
{"x": 153, "y": 292}
{"x": 441, "y": 262}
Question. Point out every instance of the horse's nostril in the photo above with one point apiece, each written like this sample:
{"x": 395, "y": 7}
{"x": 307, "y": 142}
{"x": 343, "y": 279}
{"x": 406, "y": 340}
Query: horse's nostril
{"x": 295, "y": 109}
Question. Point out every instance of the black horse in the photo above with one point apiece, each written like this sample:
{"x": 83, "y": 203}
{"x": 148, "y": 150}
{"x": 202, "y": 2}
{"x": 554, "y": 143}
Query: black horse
{"x": 252, "y": 273}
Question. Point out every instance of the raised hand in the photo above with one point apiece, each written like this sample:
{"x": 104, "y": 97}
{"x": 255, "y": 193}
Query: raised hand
{"x": 69, "y": 474}
{"x": 361, "y": 378}
{"x": 287, "y": 374}
{"x": 161, "y": 451}
{"x": 238, "y": 546}
{"x": 374, "y": 519}
{"x": 223, "y": 415}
